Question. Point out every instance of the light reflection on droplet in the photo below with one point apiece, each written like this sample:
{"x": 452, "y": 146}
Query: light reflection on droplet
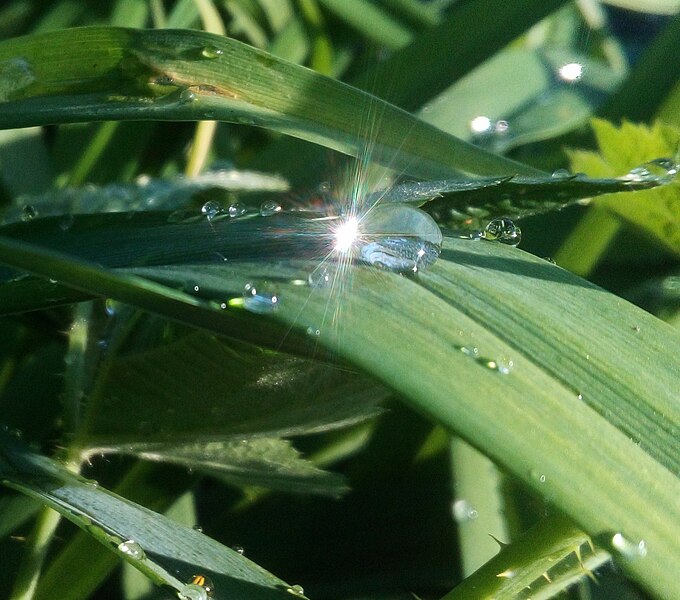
{"x": 571, "y": 72}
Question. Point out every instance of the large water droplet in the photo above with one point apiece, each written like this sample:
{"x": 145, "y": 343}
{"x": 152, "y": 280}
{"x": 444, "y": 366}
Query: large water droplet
{"x": 503, "y": 230}
{"x": 29, "y": 212}
{"x": 132, "y": 549}
{"x": 628, "y": 548}
{"x": 399, "y": 238}
{"x": 211, "y": 209}
{"x": 561, "y": 174}
{"x": 269, "y": 208}
{"x": 260, "y": 298}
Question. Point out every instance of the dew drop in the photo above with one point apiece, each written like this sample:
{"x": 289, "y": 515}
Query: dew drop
{"x": 313, "y": 331}
{"x": 237, "y": 209}
{"x": 131, "y": 549}
{"x": 269, "y": 208}
{"x": 659, "y": 169}
{"x": 204, "y": 582}
{"x": 463, "y": 511}
{"x": 480, "y": 124}
{"x": 198, "y": 528}
{"x": 561, "y": 174}
{"x": 211, "y": 52}
{"x": 319, "y": 278}
{"x": 29, "y": 212}
{"x": 570, "y": 72}
{"x": 66, "y": 222}
{"x": 238, "y": 549}
{"x": 192, "y": 591}
{"x": 503, "y": 230}
{"x": 628, "y": 548}
{"x": 211, "y": 209}
{"x": 110, "y": 307}
{"x": 187, "y": 96}
{"x": 296, "y": 590}
{"x": 260, "y": 298}
{"x": 537, "y": 476}
{"x": 15, "y": 74}
{"x": 324, "y": 187}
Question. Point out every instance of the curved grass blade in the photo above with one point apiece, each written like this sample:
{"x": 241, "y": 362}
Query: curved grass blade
{"x": 571, "y": 385}
{"x": 472, "y": 202}
{"x": 114, "y": 74}
{"x": 166, "y": 552}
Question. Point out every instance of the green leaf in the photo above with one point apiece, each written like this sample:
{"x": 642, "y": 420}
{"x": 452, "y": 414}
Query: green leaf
{"x": 113, "y": 74}
{"x": 573, "y": 384}
{"x": 168, "y": 553}
{"x": 200, "y": 388}
{"x": 655, "y": 212}
{"x": 264, "y": 462}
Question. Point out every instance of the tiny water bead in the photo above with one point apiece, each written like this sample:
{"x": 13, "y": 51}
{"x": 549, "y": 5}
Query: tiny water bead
{"x": 132, "y": 549}
{"x": 570, "y": 72}
{"x": 29, "y": 212}
{"x": 238, "y": 549}
{"x": 269, "y": 208}
{"x": 296, "y": 590}
{"x": 211, "y": 209}
{"x": 203, "y": 581}
{"x": 628, "y": 548}
{"x": 319, "y": 278}
{"x": 237, "y": 209}
{"x": 659, "y": 169}
{"x": 503, "y": 230}
{"x": 211, "y": 52}
{"x": 187, "y": 96}
{"x": 463, "y": 511}
{"x": 260, "y": 298}
{"x": 561, "y": 174}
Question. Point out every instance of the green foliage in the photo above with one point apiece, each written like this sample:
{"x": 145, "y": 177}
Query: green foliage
{"x": 203, "y": 345}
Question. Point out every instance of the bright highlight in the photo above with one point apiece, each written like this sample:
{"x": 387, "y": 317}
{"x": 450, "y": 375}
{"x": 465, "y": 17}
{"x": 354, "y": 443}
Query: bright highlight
{"x": 346, "y": 234}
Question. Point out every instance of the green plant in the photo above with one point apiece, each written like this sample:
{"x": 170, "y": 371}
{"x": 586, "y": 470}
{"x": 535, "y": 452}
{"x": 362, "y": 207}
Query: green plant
{"x": 193, "y": 330}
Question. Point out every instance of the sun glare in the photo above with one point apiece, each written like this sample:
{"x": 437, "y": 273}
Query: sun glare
{"x": 346, "y": 235}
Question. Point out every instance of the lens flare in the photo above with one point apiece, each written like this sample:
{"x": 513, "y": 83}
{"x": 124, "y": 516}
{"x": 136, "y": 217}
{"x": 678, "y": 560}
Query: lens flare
{"x": 346, "y": 235}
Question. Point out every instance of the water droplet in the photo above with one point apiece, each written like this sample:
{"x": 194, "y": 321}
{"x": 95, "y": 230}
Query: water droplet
{"x": 463, "y": 511}
{"x": 537, "y": 476}
{"x": 269, "y": 208}
{"x": 501, "y": 127}
{"x": 191, "y": 591}
{"x": 313, "y": 331}
{"x": 131, "y": 549}
{"x": 399, "y": 254}
{"x": 15, "y": 74}
{"x": 238, "y": 549}
{"x": 296, "y": 590}
{"x": 480, "y": 124}
{"x": 110, "y": 307}
{"x": 66, "y": 222}
{"x": 29, "y": 212}
{"x": 324, "y": 187}
{"x": 187, "y": 96}
{"x": 319, "y": 278}
{"x": 628, "y": 548}
{"x": 237, "y": 209}
{"x": 260, "y": 298}
{"x": 570, "y": 72}
{"x": 204, "y": 582}
{"x": 198, "y": 528}
{"x": 503, "y": 230}
{"x": 197, "y": 288}
{"x": 211, "y": 209}
{"x": 211, "y": 52}
{"x": 659, "y": 169}
{"x": 561, "y": 174}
